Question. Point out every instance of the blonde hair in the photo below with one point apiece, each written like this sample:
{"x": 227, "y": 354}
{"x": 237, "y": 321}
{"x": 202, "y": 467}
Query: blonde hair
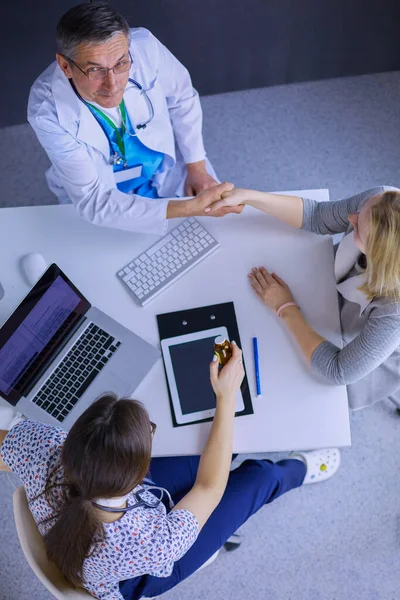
{"x": 383, "y": 249}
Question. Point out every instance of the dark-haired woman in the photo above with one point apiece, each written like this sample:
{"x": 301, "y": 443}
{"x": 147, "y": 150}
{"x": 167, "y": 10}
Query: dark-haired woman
{"x": 91, "y": 492}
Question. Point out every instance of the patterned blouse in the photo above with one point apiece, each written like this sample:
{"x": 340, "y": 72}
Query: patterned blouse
{"x": 144, "y": 541}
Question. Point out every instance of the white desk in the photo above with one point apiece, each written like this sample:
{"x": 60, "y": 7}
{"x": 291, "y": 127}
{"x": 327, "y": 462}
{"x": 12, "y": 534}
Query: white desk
{"x": 298, "y": 410}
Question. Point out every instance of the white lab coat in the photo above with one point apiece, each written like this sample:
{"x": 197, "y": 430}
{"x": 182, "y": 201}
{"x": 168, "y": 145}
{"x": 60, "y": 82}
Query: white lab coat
{"x": 79, "y": 150}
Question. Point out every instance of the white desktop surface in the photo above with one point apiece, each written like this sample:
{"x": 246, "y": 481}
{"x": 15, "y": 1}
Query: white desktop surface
{"x": 297, "y": 409}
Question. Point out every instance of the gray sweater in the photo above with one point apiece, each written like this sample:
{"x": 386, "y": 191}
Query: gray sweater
{"x": 369, "y": 363}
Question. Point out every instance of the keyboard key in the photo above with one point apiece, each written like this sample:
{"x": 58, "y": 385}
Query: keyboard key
{"x": 86, "y": 384}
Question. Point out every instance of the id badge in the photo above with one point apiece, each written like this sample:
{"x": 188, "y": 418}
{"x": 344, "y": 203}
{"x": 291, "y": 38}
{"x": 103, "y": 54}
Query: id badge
{"x": 128, "y": 174}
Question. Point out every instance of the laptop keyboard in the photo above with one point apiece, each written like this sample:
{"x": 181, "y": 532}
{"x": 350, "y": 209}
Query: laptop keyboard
{"x": 68, "y": 382}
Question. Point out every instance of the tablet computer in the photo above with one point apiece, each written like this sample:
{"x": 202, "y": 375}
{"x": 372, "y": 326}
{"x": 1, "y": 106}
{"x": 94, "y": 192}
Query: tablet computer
{"x": 187, "y": 365}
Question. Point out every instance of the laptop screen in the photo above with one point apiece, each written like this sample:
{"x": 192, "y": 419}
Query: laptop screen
{"x": 36, "y": 331}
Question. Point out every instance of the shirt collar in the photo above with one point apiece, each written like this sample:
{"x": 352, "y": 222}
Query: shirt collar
{"x": 347, "y": 255}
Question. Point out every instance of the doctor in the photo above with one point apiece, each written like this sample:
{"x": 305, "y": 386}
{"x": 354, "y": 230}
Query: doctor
{"x": 367, "y": 270}
{"x": 121, "y": 123}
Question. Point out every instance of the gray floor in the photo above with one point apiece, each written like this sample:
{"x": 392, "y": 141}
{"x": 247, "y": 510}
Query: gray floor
{"x": 334, "y": 541}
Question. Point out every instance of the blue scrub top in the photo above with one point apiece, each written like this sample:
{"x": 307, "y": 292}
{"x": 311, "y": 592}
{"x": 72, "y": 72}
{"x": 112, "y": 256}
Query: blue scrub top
{"x": 136, "y": 154}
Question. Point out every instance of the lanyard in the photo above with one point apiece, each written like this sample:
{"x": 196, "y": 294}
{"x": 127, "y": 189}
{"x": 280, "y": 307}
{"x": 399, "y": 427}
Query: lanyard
{"x": 120, "y": 141}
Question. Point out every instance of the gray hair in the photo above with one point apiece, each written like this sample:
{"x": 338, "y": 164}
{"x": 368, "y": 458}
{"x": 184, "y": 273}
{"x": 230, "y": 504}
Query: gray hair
{"x": 89, "y": 23}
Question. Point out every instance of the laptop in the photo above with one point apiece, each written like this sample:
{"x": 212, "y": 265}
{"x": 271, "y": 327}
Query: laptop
{"x": 58, "y": 353}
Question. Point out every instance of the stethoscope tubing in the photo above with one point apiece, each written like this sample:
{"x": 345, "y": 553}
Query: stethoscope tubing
{"x": 116, "y": 158}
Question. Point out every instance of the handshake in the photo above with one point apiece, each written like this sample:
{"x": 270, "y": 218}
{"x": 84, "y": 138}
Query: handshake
{"x": 217, "y": 201}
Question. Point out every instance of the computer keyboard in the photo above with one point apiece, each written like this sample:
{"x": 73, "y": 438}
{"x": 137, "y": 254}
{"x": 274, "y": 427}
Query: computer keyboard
{"x": 167, "y": 260}
{"x": 73, "y": 375}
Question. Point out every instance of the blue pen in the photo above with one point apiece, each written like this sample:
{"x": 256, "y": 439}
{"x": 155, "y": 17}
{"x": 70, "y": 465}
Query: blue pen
{"x": 257, "y": 366}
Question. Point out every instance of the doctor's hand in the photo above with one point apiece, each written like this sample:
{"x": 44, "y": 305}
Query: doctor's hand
{"x": 233, "y": 198}
{"x": 270, "y": 288}
{"x": 198, "y": 179}
{"x": 198, "y": 206}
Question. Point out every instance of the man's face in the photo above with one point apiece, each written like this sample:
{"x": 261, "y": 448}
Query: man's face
{"x": 106, "y": 92}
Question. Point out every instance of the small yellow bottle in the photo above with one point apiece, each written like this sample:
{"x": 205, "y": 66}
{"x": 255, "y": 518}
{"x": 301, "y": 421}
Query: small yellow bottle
{"x": 222, "y": 348}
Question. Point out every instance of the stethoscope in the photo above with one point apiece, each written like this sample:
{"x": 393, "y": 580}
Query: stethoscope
{"x": 140, "y": 501}
{"x": 115, "y": 157}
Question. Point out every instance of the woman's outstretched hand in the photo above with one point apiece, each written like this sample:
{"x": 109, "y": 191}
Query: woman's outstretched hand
{"x": 229, "y": 199}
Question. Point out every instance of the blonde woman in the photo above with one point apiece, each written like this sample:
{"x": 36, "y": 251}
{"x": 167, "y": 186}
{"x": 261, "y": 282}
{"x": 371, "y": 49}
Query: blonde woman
{"x": 367, "y": 270}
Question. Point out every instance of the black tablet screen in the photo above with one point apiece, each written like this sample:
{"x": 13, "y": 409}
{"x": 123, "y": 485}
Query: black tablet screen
{"x": 191, "y": 366}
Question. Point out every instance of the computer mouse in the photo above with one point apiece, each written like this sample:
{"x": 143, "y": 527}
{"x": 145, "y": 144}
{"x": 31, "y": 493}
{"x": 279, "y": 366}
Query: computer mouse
{"x": 33, "y": 266}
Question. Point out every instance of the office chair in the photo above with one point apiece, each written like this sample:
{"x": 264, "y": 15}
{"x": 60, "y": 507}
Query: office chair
{"x": 33, "y": 548}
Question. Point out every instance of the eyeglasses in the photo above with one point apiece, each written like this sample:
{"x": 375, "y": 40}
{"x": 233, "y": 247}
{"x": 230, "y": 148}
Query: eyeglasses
{"x": 96, "y": 73}
{"x": 153, "y": 427}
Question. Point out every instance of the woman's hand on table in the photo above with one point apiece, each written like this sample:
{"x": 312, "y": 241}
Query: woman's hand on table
{"x": 274, "y": 293}
{"x": 270, "y": 288}
{"x": 226, "y": 382}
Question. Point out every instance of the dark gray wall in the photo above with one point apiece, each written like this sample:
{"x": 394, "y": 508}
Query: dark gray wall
{"x": 226, "y": 44}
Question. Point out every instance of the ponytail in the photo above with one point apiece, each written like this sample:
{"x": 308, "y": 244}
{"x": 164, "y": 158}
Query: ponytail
{"x": 69, "y": 541}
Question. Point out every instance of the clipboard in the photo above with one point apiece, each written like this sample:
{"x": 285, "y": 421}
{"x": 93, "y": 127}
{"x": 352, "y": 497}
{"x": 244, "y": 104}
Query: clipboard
{"x": 199, "y": 319}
